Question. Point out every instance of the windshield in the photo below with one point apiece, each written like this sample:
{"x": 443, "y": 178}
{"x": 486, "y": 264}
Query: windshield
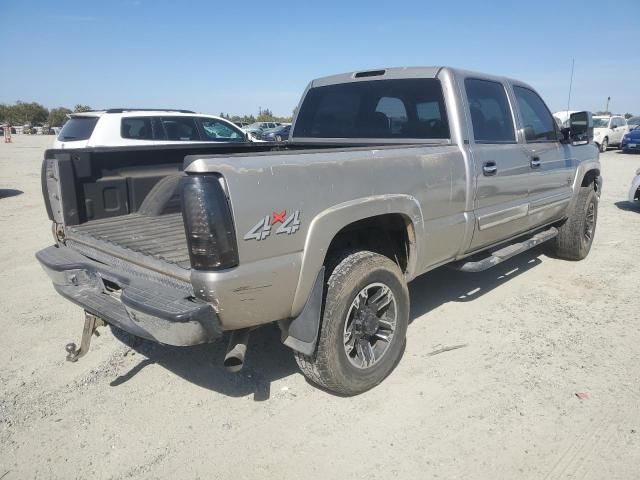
{"x": 77, "y": 128}
{"x": 600, "y": 122}
{"x": 404, "y": 108}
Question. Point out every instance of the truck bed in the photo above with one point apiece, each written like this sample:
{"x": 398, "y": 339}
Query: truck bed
{"x": 160, "y": 237}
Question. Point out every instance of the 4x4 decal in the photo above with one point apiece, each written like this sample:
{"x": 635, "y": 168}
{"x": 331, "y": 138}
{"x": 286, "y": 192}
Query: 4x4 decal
{"x": 262, "y": 229}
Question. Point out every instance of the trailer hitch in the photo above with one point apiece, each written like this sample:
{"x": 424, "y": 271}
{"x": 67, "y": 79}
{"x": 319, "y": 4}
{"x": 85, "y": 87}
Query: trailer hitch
{"x": 91, "y": 324}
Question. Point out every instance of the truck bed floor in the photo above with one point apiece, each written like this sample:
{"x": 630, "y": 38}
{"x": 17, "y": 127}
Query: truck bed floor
{"x": 161, "y": 237}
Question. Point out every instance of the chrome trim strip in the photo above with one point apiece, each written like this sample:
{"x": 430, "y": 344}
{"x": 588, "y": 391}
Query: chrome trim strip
{"x": 550, "y": 201}
{"x": 503, "y": 216}
{"x": 557, "y": 203}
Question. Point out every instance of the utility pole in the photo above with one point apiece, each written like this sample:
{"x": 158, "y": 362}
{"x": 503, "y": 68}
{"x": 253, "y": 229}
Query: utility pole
{"x": 607, "y": 109}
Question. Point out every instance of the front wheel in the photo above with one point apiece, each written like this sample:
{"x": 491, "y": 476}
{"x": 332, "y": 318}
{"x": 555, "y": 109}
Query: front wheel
{"x": 362, "y": 335}
{"x": 604, "y": 145}
{"x": 575, "y": 236}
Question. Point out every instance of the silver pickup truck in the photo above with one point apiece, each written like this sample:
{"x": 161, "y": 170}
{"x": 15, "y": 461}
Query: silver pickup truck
{"x": 387, "y": 174}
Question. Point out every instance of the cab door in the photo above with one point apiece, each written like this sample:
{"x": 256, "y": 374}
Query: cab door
{"x": 551, "y": 164}
{"x": 501, "y": 166}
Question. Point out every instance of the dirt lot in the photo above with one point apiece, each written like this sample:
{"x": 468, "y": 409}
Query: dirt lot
{"x": 534, "y": 332}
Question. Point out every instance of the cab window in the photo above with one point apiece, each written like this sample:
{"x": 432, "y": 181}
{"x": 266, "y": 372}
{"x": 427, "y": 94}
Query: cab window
{"x": 537, "y": 121}
{"x": 490, "y": 112}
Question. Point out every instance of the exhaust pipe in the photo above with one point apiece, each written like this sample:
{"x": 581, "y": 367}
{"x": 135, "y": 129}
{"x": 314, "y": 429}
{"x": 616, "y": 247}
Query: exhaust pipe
{"x": 237, "y": 349}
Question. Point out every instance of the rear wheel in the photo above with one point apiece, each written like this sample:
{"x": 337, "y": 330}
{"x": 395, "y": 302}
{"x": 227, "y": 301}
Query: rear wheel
{"x": 575, "y": 236}
{"x": 364, "y": 324}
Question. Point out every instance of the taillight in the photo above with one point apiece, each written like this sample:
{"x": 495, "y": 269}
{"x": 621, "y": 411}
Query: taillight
{"x": 208, "y": 223}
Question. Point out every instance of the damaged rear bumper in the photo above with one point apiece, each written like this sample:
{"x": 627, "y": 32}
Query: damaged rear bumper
{"x": 165, "y": 313}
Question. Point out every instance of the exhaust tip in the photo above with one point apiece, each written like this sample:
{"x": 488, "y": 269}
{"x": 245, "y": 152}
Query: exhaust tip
{"x": 236, "y": 351}
{"x": 233, "y": 364}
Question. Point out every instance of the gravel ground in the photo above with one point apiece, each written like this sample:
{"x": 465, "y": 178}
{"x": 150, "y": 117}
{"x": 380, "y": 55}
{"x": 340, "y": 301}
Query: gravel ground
{"x": 533, "y": 333}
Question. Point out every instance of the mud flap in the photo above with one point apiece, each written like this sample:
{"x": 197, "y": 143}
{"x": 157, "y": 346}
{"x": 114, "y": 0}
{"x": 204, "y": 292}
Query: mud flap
{"x": 301, "y": 333}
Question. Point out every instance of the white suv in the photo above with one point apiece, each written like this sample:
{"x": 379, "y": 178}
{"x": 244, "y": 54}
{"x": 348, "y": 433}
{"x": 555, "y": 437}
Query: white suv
{"x": 122, "y": 127}
{"x": 608, "y": 131}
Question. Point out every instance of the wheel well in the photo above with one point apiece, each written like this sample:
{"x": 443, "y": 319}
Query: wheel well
{"x": 590, "y": 177}
{"x": 390, "y": 235}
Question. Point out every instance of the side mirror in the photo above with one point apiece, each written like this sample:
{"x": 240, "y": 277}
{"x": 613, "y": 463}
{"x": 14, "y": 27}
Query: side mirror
{"x": 581, "y": 128}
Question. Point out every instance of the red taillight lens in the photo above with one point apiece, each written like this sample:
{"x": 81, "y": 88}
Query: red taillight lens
{"x": 208, "y": 223}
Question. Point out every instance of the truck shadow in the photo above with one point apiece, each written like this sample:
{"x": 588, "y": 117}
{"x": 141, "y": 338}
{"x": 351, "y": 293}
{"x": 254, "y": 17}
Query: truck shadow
{"x": 445, "y": 284}
{"x": 269, "y": 360}
{"x": 9, "y": 192}
{"x": 628, "y": 206}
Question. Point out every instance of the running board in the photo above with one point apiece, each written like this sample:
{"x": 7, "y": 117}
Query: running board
{"x": 506, "y": 252}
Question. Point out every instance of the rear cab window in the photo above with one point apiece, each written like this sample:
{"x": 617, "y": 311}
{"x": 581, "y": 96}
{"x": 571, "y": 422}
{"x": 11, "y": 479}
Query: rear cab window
{"x": 491, "y": 115}
{"x": 376, "y": 109}
{"x": 78, "y": 128}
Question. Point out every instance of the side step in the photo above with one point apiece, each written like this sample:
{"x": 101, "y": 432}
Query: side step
{"x": 506, "y": 252}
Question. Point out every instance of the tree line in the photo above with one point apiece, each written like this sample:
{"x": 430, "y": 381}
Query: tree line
{"x": 264, "y": 115}
{"x": 33, "y": 113}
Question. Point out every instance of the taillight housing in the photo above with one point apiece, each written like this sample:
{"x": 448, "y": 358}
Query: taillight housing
{"x": 208, "y": 223}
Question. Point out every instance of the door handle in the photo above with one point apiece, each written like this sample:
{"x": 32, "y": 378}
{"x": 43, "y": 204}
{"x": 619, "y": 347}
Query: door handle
{"x": 535, "y": 162}
{"x": 489, "y": 169}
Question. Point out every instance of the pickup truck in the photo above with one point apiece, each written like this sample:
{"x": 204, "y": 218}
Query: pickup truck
{"x": 387, "y": 175}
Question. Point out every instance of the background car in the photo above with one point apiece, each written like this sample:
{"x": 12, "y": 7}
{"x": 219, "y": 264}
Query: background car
{"x": 562, "y": 117}
{"x": 608, "y": 131}
{"x": 121, "y": 127}
{"x": 256, "y": 129}
{"x": 631, "y": 140}
{"x": 633, "y": 122}
{"x": 278, "y": 134}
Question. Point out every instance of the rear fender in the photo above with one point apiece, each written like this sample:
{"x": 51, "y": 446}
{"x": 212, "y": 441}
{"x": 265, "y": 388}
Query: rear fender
{"x": 328, "y": 223}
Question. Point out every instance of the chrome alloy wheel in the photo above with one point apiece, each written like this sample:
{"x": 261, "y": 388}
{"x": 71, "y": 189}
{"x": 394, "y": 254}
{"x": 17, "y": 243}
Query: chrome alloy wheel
{"x": 590, "y": 222}
{"x": 370, "y": 325}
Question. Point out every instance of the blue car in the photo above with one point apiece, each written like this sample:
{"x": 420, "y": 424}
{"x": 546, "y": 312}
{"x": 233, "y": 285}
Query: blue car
{"x": 278, "y": 134}
{"x": 631, "y": 140}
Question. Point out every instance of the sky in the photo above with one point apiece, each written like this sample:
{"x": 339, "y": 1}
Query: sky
{"x": 239, "y": 56}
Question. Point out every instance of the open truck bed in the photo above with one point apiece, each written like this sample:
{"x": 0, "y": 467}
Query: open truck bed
{"x": 99, "y": 195}
{"x": 161, "y": 237}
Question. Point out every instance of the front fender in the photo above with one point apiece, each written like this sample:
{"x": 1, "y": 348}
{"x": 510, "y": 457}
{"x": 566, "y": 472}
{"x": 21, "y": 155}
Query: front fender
{"x": 584, "y": 167}
{"x": 326, "y": 225}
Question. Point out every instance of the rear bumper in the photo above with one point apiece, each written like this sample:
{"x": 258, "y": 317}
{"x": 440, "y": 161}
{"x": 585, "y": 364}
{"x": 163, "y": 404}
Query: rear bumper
{"x": 145, "y": 308}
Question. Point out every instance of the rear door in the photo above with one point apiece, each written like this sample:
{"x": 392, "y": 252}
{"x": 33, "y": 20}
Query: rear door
{"x": 500, "y": 163}
{"x": 550, "y": 162}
